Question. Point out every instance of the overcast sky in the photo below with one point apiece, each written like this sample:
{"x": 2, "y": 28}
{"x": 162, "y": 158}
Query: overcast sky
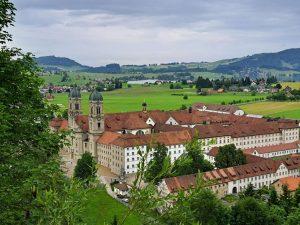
{"x": 97, "y": 32}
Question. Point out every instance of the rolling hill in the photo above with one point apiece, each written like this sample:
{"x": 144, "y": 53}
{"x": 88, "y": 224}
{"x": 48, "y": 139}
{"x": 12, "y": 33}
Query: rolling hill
{"x": 284, "y": 64}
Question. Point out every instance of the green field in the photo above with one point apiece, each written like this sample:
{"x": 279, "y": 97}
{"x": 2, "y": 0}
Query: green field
{"x": 294, "y": 85}
{"x": 157, "y": 97}
{"x": 274, "y": 109}
{"x": 101, "y": 209}
{"x": 82, "y": 78}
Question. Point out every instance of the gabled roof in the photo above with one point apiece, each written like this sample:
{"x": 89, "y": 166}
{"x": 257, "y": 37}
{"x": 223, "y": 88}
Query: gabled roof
{"x": 130, "y": 140}
{"x": 231, "y": 173}
{"x": 274, "y": 148}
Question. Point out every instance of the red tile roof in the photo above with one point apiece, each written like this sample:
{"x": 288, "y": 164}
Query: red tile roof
{"x": 59, "y": 124}
{"x": 130, "y": 140}
{"x": 292, "y": 182}
{"x": 274, "y": 148}
{"x": 232, "y": 173}
{"x": 83, "y": 122}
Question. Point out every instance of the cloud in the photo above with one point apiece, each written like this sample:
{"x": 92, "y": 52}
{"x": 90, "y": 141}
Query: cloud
{"x": 97, "y": 32}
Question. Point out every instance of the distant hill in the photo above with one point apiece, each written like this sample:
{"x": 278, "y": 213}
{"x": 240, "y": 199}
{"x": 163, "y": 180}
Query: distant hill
{"x": 53, "y": 63}
{"x": 281, "y": 64}
{"x": 284, "y": 60}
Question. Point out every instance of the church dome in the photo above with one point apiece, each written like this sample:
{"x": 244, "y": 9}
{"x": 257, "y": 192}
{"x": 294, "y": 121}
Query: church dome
{"x": 96, "y": 96}
{"x": 75, "y": 93}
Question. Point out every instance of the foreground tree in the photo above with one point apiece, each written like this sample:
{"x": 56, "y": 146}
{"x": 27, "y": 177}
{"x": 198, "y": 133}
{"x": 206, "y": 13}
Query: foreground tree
{"x": 207, "y": 208}
{"x": 86, "y": 167}
{"x": 249, "y": 211}
{"x": 229, "y": 156}
{"x": 273, "y": 199}
{"x": 160, "y": 157}
{"x": 27, "y": 145}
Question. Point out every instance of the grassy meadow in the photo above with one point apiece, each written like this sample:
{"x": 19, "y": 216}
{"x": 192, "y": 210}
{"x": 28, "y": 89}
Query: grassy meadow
{"x": 156, "y": 96}
{"x": 101, "y": 209}
{"x": 274, "y": 109}
{"x": 82, "y": 78}
{"x": 294, "y": 85}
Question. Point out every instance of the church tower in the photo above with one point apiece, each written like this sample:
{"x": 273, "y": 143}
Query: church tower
{"x": 96, "y": 116}
{"x": 74, "y": 106}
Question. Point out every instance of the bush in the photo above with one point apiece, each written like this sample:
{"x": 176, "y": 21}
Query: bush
{"x": 185, "y": 97}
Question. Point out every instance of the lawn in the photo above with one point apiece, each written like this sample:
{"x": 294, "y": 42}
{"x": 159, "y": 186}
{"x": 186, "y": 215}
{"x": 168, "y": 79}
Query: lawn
{"x": 274, "y": 109}
{"x": 101, "y": 209}
{"x": 157, "y": 97}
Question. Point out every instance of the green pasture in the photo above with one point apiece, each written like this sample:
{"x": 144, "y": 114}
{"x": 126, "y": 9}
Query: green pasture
{"x": 101, "y": 209}
{"x": 156, "y": 96}
{"x": 274, "y": 109}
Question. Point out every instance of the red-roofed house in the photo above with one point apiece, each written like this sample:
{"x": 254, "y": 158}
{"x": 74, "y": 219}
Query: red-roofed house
{"x": 291, "y": 182}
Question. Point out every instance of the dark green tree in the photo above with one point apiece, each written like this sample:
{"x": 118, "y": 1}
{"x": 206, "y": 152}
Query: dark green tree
{"x": 249, "y": 211}
{"x": 153, "y": 172}
{"x": 192, "y": 161}
{"x": 249, "y": 192}
{"x": 207, "y": 208}
{"x": 29, "y": 164}
{"x": 115, "y": 220}
{"x": 285, "y": 200}
{"x": 86, "y": 167}
{"x": 228, "y": 156}
{"x": 273, "y": 200}
{"x": 278, "y": 86}
{"x": 297, "y": 197}
{"x": 293, "y": 218}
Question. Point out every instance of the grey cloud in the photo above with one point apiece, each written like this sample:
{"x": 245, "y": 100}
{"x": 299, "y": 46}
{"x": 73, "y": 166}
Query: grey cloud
{"x": 156, "y": 30}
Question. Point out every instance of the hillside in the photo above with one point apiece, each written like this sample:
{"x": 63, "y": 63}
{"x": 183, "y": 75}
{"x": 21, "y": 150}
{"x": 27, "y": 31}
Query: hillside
{"x": 284, "y": 60}
{"x": 59, "y": 63}
{"x": 284, "y": 64}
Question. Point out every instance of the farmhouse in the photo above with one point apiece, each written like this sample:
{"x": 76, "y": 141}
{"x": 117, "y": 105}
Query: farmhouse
{"x": 116, "y": 140}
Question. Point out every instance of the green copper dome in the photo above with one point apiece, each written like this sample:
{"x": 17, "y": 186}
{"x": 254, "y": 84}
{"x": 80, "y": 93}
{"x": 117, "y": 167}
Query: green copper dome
{"x": 75, "y": 93}
{"x": 96, "y": 96}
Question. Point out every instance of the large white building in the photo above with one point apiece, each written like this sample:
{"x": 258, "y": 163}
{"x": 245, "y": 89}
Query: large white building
{"x": 235, "y": 179}
{"x": 115, "y": 139}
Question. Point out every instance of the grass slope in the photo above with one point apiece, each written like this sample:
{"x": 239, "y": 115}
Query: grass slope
{"x": 294, "y": 85}
{"x": 157, "y": 97}
{"x": 101, "y": 209}
{"x": 274, "y": 109}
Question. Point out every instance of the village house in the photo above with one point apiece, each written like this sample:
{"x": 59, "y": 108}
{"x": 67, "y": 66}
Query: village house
{"x": 291, "y": 182}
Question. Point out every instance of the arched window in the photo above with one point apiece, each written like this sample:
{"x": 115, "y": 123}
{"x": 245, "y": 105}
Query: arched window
{"x": 76, "y": 106}
{"x": 139, "y": 132}
{"x": 234, "y": 190}
{"x": 98, "y": 110}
